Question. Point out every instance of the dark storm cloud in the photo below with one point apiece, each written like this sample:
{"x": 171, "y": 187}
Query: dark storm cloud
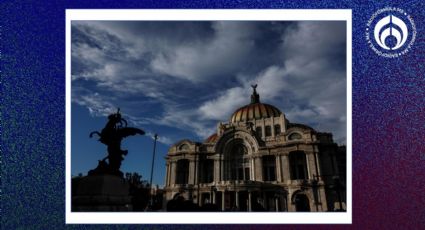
{"x": 192, "y": 74}
{"x": 171, "y": 32}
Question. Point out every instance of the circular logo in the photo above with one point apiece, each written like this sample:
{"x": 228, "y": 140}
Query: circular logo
{"x": 390, "y": 32}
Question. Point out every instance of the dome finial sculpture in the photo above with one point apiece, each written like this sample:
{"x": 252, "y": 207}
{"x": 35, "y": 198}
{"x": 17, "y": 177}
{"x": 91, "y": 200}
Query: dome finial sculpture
{"x": 254, "y": 110}
{"x": 255, "y": 97}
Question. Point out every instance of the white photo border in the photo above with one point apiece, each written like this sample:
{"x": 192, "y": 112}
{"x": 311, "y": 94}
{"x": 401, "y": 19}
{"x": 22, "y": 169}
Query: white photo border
{"x": 216, "y": 217}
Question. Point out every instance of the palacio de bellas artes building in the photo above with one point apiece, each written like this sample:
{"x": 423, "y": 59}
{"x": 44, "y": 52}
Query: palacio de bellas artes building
{"x": 259, "y": 161}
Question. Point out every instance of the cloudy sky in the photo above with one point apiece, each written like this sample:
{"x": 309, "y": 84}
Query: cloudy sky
{"x": 178, "y": 79}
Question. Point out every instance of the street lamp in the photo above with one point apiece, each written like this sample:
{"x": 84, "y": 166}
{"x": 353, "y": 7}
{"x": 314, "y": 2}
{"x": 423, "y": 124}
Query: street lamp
{"x": 153, "y": 161}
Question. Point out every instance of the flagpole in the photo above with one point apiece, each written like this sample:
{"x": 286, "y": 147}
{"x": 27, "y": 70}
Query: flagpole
{"x": 153, "y": 161}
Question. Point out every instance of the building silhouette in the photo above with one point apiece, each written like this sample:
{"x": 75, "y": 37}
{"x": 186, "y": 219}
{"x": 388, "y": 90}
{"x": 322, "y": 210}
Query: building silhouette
{"x": 259, "y": 161}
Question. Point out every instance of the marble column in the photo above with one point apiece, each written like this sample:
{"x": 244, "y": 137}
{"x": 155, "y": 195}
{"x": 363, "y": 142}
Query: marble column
{"x": 223, "y": 195}
{"x": 213, "y": 197}
{"x": 191, "y": 179}
{"x": 276, "y": 202}
{"x": 216, "y": 170}
{"x": 258, "y": 169}
{"x": 263, "y": 130}
{"x": 278, "y": 169}
{"x": 237, "y": 199}
{"x": 173, "y": 173}
{"x": 285, "y": 167}
{"x": 252, "y": 168}
{"x": 196, "y": 171}
{"x": 167, "y": 175}
{"x": 310, "y": 165}
{"x": 316, "y": 154}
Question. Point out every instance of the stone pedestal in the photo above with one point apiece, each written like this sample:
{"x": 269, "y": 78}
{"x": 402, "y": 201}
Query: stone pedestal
{"x": 101, "y": 193}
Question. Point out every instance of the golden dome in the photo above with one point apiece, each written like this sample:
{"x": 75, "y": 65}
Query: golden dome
{"x": 255, "y": 110}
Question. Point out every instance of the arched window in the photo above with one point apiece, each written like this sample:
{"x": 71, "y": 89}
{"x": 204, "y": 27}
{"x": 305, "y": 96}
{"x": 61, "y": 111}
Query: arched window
{"x": 301, "y": 203}
{"x": 277, "y": 129}
{"x": 182, "y": 171}
{"x": 268, "y": 131}
{"x": 294, "y": 136}
{"x": 184, "y": 147}
{"x": 269, "y": 168}
{"x": 207, "y": 171}
{"x": 298, "y": 165}
{"x": 236, "y": 163}
{"x": 259, "y": 131}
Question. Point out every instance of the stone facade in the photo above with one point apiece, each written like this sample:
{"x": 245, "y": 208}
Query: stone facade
{"x": 259, "y": 161}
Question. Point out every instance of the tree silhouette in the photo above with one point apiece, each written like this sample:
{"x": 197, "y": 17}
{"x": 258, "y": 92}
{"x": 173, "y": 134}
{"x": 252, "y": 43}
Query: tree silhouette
{"x": 139, "y": 191}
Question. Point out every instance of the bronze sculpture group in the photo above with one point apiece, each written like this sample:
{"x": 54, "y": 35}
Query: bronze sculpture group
{"x": 111, "y": 135}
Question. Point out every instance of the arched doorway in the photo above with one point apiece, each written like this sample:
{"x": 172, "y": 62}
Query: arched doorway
{"x": 236, "y": 163}
{"x": 301, "y": 203}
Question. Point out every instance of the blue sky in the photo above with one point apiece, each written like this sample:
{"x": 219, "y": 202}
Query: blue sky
{"x": 179, "y": 79}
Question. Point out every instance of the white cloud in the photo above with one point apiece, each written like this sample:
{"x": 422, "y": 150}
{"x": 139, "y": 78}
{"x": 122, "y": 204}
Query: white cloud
{"x": 220, "y": 56}
{"x": 312, "y": 40}
{"x": 162, "y": 139}
{"x": 186, "y": 120}
{"x": 222, "y": 107}
{"x": 199, "y": 59}
{"x": 95, "y": 104}
{"x": 271, "y": 82}
{"x": 301, "y": 114}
